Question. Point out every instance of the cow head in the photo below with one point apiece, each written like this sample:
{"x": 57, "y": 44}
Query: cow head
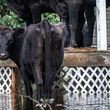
{"x": 6, "y": 41}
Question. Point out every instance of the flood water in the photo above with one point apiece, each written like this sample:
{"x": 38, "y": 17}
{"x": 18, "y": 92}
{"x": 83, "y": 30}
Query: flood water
{"x": 62, "y": 101}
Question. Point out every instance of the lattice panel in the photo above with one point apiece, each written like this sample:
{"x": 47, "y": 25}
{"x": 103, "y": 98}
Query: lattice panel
{"x": 85, "y": 79}
{"x": 5, "y": 80}
{"x": 59, "y": 80}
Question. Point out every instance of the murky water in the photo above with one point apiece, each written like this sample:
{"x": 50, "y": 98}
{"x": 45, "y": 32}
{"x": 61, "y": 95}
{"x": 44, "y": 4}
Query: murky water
{"x": 62, "y": 101}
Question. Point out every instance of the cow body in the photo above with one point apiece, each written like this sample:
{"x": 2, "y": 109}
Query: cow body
{"x": 38, "y": 53}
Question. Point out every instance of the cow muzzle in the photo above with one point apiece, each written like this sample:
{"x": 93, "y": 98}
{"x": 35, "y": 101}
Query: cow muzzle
{"x": 3, "y": 56}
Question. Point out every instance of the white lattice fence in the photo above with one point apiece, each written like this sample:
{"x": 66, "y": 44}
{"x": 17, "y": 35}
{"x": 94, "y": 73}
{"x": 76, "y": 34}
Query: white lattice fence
{"x": 5, "y": 80}
{"x": 87, "y": 79}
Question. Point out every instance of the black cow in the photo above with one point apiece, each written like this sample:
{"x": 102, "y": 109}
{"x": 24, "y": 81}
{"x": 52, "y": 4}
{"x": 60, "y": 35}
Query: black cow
{"x": 38, "y": 53}
{"x": 88, "y": 29}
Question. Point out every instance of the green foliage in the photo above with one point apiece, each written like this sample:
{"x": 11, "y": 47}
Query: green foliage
{"x": 12, "y": 20}
{"x": 8, "y": 18}
{"x": 51, "y": 17}
{"x": 85, "y": 19}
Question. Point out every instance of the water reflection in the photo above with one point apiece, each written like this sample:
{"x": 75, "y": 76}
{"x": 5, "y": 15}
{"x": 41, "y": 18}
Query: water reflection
{"x": 83, "y": 101}
{"x": 63, "y": 101}
{"x": 28, "y": 105}
{"x": 87, "y": 101}
{"x": 7, "y": 101}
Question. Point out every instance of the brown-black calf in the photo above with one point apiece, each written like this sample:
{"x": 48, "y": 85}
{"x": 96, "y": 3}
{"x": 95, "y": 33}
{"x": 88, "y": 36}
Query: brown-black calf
{"x": 38, "y": 53}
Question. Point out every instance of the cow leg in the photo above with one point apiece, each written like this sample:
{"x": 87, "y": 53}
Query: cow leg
{"x": 44, "y": 84}
{"x": 69, "y": 32}
{"x": 90, "y": 16}
{"x": 37, "y": 73}
{"x": 27, "y": 83}
{"x": 46, "y": 93}
{"x": 36, "y": 14}
{"x": 29, "y": 21}
{"x": 53, "y": 74}
{"x": 73, "y": 9}
{"x": 56, "y": 60}
{"x": 79, "y": 36}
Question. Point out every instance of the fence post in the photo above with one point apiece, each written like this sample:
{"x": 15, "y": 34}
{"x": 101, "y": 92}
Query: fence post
{"x": 13, "y": 80}
{"x": 101, "y": 25}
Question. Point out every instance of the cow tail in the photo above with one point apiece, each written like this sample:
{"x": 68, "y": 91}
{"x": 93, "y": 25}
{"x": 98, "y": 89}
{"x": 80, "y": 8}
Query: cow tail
{"x": 47, "y": 28}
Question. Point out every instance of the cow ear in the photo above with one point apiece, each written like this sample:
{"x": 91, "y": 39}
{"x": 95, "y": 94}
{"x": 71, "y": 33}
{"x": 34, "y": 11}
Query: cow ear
{"x": 5, "y": 29}
{"x": 18, "y": 32}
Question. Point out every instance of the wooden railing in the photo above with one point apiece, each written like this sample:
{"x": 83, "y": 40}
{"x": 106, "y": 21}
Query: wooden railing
{"x": 86, "y": 58}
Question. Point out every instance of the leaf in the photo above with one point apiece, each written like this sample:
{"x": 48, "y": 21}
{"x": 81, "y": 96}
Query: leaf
{"x": 51, "y": 100}
{"x": 45, "y": 98}
{"x": 41, "y": 100}
{"x": 37, "y": 105}
{"x": 45, "y": 105}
